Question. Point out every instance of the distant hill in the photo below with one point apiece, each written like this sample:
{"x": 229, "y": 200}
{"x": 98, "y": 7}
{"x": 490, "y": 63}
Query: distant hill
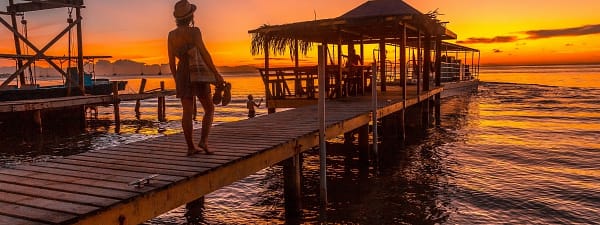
{"x": 237, "y": 69}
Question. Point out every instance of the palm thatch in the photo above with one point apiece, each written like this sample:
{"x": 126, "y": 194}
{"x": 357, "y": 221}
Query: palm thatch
{"x": 277, "y": 44}
{"x": 369, "y": 23}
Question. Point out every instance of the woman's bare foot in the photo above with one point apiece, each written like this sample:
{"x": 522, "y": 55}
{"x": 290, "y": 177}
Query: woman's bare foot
{"x": 192, "y": 151}
{"x": 204, "y": 148}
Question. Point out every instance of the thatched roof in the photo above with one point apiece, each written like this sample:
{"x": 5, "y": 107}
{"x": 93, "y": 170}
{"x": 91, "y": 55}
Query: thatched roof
{"x": 368, "y": 23}
{"x": 381, "y": 8}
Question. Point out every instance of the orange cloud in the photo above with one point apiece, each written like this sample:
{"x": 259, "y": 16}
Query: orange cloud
{"x": 497, "y": 39}
{"x": 573, "y": 31}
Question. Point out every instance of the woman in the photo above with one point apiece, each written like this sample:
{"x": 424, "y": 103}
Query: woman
{"x": 182, "y": 39}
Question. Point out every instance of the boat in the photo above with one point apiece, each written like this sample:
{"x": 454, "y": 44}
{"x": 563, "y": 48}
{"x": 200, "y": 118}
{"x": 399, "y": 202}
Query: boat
{"x": 35, "y": 91}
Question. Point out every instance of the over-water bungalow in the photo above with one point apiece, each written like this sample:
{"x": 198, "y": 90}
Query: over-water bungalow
{"x": 416, "y": 57}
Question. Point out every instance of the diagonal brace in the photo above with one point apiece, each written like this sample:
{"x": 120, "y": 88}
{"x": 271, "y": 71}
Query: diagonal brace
{"x": 39, "y": 53}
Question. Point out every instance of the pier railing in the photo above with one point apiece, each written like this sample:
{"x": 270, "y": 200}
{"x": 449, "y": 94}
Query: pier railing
{"x": 302, "y": 82}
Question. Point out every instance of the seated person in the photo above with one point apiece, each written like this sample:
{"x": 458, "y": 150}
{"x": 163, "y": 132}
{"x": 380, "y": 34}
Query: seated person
{"x": 353, "y": 58}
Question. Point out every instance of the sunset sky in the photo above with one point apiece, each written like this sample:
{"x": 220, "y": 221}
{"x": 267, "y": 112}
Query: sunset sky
{"x": 506, "y": 32}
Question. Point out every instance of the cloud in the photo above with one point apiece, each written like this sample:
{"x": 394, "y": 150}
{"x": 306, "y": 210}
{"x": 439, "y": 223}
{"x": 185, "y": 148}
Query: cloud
{"x": 573, "y": 31}
{"x": 497, "y": 39}
{"x": 536, "y": 34}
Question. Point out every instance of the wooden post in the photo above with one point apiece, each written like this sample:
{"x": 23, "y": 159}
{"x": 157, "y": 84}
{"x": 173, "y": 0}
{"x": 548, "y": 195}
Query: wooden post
{"x": 426, "y": 75}
{"x": 403, "y": 76}
{"x": 338, "y": 76}
{"x": 438, "y": 81}
{"x": 418, "y": 63}
{"x": 270, "y": 109}
{"x": 363, "y": 145}
{"x": 348, "y": 138}
{"x": 382, "y": 66}
{"x": 13, "y": 18}
{"x": 297, "y": 82}
{"x": 322, "y": 141}
{"x": 115, "y": 86}
{"x": 195, "y": 208}
{"x": 161, "y": 103}
{"x": 374, "y": 111}
{"x": 80, "y": 50}
{"x": 37, "y": 119}
{"x": 137, "y": 102}
{"x": 426, "y": 62}
{"x": 292, "y": 188}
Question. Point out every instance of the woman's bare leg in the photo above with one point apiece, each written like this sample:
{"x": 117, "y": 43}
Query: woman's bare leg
{"x": 207, "y": 119}
{"x": 187, "y": 124}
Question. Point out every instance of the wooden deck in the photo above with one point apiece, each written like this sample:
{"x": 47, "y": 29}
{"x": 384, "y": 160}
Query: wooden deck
{"x": 93, "y": 187}
{"x": 41, "y": 104}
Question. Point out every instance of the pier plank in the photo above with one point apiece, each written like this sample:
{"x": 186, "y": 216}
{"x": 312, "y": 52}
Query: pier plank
{"x": 58, "y": 195}
{"x": 42, "y": 203}
{"x": 63, "y": 168}
{"x": 77, "y": 180}
{"x": 17, "y": 221}
{"x": 62, "y": 185}
{"x": 34, "y": 214}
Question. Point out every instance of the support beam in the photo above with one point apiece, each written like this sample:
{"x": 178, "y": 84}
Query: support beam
{"x": 80, "y": 50}
{"x": 382, "y": 65}
{"x": 39, "y": 53}
{"x": 403, "y": 76}
{"x": 438, "y": 81}
{"x": 338, "y": 75}
{"x": 427, "y": 62}
{"x": 322, "y": 127}
{"x": 13, "y": 18}
{"x": 42, "y": 5}
{"x": 418, "y": 63}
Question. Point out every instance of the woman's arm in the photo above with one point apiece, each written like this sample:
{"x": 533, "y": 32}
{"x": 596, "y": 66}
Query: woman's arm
{"x": 172, "y": 63}
{"x": 205, "y": 54}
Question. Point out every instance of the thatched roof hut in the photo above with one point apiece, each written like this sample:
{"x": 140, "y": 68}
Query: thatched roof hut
{"x": 380, "y": 22}
{"x": 370, "y": 22}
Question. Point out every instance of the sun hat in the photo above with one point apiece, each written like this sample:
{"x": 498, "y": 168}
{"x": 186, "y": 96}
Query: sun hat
{"x": 183, "y": 9}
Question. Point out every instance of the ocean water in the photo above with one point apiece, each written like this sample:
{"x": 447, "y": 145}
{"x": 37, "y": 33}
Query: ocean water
{"x": 524, "y": 149}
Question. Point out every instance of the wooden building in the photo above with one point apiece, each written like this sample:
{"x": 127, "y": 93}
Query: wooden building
{"x": 408, "y": 48}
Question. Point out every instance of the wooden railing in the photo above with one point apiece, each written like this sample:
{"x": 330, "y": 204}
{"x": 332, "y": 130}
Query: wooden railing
{"x": 302, "y": 82}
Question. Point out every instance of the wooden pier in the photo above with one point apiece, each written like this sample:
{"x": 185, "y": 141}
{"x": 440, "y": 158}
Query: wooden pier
{"x": 96, "y": 187}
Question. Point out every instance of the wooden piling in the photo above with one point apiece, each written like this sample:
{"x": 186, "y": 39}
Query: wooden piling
{"x": 292, "y": 188}
{"x": 425, "y": 115}
{"x": 137, "y": 102}
{"x": 115, "y": 86}
{"x": 37, "y": 119}
{"x": 161, "y": 104}
{"x": 363, "y": 145}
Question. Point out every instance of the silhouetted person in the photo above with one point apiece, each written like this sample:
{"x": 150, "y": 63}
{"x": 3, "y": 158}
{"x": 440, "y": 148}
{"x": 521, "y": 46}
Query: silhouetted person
{"x": 181, "y": 40}
{"x": 250, "y": 104}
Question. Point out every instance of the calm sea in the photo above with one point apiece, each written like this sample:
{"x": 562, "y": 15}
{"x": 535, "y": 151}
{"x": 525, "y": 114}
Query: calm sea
{"x": 525, "y": 149}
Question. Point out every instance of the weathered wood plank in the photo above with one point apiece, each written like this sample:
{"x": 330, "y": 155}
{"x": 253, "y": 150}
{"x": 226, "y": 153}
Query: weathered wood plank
{"x": 17, "y": 221}
{"x": 35, "y": 214}
{"x": 68, "y": 187}
{"x": 109, "y": 183}
{"x": 42, "y": 203}
{"x": 58, "y": 195}
{"x": 73, "y": 170}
